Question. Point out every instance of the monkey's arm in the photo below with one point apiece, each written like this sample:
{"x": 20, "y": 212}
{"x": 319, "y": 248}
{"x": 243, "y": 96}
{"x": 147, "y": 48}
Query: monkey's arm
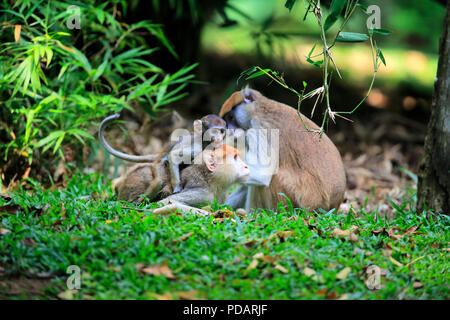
{"x": 176, "y": 206}
{"x": 175, "y": 179}
{"x": 191, "y": 196}
{"x": 186, "y": 201}
{"x": 238, "y": 198}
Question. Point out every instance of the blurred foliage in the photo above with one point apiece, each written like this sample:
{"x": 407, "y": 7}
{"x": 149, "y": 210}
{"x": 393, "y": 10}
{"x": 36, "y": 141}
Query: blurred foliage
{"x": 338, "y": 8}
{"x": 57, "y": 81}
{"x": 275, "y": 33}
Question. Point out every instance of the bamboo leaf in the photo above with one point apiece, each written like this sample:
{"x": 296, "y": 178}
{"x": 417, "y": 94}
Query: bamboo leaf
{"x": 335, "y": 11}
{"x": 351, "y": 37}
{"x": 289, "y": 4}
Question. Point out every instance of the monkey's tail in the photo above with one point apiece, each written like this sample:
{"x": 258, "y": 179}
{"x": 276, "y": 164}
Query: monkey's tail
{"x": 118, "y": 154}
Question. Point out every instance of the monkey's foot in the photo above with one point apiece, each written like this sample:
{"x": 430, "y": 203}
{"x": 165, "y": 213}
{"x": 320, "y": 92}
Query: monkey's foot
{"x": 178, "y": 207}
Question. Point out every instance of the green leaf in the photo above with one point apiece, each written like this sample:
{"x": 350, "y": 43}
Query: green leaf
{"x": 289, "y": 4}
{"x": 351, "y": 37}
{"x": 383, "y": 32}
{"x": 257, "y": 74}
{"x": 51, "y": 137}
{"x": 380, "y": 54}
{"x": 314, "y": 63}
{"x": 362, "y": 7}
{"x": 335, "y": 11}
{"x": 312, "y": 50}
{"x": 29, "y": 116}
{"x": 102, "y": 67}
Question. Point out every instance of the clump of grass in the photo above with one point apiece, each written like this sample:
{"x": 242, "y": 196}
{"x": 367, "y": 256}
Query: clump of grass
{"x": 298, "y": 254}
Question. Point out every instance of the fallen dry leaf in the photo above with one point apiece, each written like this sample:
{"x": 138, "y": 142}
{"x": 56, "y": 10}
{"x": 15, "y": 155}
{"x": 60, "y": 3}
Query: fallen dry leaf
{"x": 188, "y": 295}
{"x": 164, "y": 296}
{"x": 157, "y": 270}
{"x": 322, "y": 291}
{"x": 318, "y": 278}
{"x": 17, "y": 29}
{"x": 241, "y": 213}
{"x": 349, "y": 234}
{"x": 397, "y": 263}
{"x": 270, "y": 259}
{"x": 4, "y": 231}
{"x": 343, "y": 274}
{"x": 253, "y": 264}
{"x": 29, "y": 242}
{"x": 417, "y": 284}
{"x": 308, "y": 272}
{"x": 332, "y": 265}
{"x": 26, "y": 174}
{"x": 281, "y": 268}
{"x": 223, "y": 213}
{"x": 352, "y": 237}
{"x": 183, "y": 237}
{"x": 377, "y": 231}
{"x": 258, "y": 255}
{"x": 115, "y": 268}
{"x": 331, "y": 295}
{"x": 416, "y": 259}
{"x": 249, "y": 244}
{"x": 282, "y": 235}
{"x": 67, "y": 295}
{"x": 207, "y": 208}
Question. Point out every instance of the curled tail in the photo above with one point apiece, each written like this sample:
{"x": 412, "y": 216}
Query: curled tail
{"x": 118, "y": 154}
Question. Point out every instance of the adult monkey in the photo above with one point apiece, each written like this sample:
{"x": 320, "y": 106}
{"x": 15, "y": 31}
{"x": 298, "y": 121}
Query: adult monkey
{"x": 310, "y": 169}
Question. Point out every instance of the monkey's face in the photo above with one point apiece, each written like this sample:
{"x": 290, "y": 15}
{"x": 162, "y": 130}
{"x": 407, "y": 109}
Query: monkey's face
{"x": 235, "y": 170}
{"x": 215, "y": 135}
{"x": 226, "y": 165}
{"x": 239, "y": 116}
{"x": 241, "y": 169}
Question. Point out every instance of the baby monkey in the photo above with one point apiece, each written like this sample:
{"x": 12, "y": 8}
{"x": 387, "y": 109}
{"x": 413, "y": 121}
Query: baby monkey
{"x": 208, "y": 133}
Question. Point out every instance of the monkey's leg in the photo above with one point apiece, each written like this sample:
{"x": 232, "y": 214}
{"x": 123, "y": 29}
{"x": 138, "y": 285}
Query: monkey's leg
{"x": 175, "y": 179}
{"x": 156, "y": 185}
{"x": 238, "y": 198}
{"x": 176, "y": 206}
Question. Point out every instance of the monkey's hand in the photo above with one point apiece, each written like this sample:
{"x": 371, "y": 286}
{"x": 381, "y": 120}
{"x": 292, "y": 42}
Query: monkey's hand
{"x": 177, "y": 188}
{"x": 171, "y": 207}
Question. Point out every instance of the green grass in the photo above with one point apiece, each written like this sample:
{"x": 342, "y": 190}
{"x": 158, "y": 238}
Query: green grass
{"x": 107, "y": 242}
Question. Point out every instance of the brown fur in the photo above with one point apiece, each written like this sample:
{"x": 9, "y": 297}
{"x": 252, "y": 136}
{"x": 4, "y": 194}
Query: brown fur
{"x": 311, "y": 172}
{"x": 149, "y": 179}
{"x": 200, "y": 185}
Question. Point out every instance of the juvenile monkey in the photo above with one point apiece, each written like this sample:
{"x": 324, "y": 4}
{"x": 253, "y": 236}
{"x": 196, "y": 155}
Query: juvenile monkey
{"x": 209, "y": 128}
{"x": 150, "y": 180}
{"x": 209, "y": 132}
{"x": 202, "y": 183}
{"x": 310, "y": 169}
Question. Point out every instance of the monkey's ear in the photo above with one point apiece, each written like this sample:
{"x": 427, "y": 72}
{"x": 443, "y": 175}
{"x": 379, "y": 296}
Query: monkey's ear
{"x": 248, "y": 95}
{"x": 210, "y": 160}
{"x": 198, "y": 126}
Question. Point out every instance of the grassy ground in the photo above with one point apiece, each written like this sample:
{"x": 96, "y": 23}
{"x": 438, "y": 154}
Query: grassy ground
{"x": 288, "y": 254}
